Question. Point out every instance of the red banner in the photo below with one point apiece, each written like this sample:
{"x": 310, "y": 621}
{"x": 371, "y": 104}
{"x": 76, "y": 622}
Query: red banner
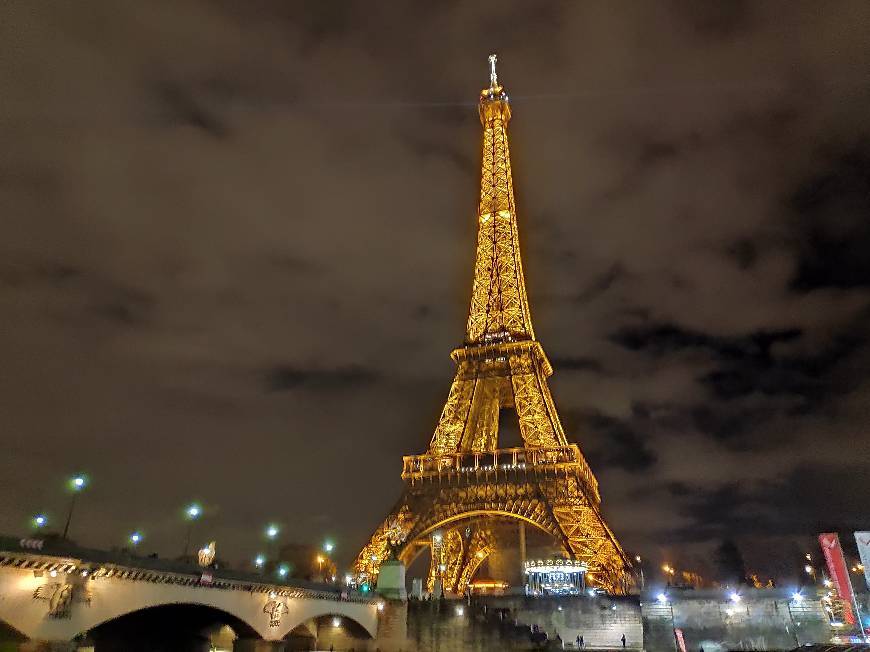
{"x": 839, "y": 573}
{"x": 678, "y": 634}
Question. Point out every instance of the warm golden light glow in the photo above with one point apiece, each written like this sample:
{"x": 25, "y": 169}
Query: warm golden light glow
{"x": 464, "y": 477}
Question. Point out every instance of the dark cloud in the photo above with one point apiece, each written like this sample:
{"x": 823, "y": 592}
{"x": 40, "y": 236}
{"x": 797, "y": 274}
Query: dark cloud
{"x": 283, "y": 378}
{"x": 716, "y": 19}
{"x": 619, "y": 443}
{"x": 183, "y": 108}
{"x": 831, "y": 208}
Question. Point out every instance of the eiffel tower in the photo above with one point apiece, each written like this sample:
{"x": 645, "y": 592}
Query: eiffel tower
{"x": 464, "y": 487}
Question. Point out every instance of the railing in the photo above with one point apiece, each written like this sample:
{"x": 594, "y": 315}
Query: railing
{"x": 505, "y": 459}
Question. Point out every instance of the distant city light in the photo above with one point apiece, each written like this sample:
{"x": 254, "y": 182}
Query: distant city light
{"x": 661, "y": 597}
{"x": 40, "y": 520}
{"x": 259, "y": 560}
{"x": 808, "y": 569}
{"x": 135, "y": 538}
{"x": 348, "y": 579}
{"x": 193, "y": 511}
{"x": 329, "y": 546}
{"x": 78, "y": 482}
{"x": 272, "y": 531}
{"x": 283, "y": 570}
{"x": 637, "y": 558}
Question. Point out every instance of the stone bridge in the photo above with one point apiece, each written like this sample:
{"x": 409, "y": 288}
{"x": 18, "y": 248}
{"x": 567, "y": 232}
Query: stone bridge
{"x": 53, "y": 593}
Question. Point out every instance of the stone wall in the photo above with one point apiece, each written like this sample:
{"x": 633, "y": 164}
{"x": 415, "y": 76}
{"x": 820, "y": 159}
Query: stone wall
{"x": 760, "y": 620}
{"x": 765, "y": 619}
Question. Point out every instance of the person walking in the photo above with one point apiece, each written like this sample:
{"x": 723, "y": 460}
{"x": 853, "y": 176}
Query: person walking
{"x": 577, "y": 642}
{"x": 623, "y": 641}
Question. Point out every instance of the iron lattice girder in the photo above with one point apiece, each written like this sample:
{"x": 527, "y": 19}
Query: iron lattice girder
{"x": 547, "y": 482}
{"x": 552, "y": 500}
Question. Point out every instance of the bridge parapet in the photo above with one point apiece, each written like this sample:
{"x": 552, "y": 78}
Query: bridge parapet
{"x": 56, "y": 591}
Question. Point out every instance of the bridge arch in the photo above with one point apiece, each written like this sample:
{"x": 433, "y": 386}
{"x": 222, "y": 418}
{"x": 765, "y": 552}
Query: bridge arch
{"x": 146, "y": 629}
{"x": 412, "y": 547}
{"x": 361, "y": 615}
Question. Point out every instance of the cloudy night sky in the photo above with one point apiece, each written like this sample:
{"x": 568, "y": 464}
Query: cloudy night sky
{"x": 238, "y": 240}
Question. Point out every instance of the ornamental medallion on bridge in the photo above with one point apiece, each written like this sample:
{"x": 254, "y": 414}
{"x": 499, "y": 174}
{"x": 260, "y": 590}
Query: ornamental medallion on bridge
{"x": 460, "y": 494}
{"x": 275, "y": 609}
{"x": 60, "y": 597}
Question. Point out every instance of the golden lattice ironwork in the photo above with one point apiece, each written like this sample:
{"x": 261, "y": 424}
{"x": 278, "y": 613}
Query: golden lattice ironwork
{"x": 455, "y": 491}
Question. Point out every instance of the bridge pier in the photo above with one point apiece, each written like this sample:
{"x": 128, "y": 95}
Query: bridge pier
{"x": 258, "y": 645}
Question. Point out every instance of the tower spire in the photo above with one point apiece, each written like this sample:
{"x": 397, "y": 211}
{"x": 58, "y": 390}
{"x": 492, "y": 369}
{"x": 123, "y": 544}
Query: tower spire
{"x": 499, "y": 306}
{"x": 493, "y": 78}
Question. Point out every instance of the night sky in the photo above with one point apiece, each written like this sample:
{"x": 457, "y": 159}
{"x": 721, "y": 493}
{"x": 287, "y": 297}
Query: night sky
{"x": 237, "y": 248}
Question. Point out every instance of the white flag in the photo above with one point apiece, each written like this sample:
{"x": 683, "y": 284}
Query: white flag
{"x": 863, "y": 541}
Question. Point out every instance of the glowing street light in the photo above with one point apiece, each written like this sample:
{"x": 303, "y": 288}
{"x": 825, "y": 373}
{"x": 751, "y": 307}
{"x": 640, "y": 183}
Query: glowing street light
{"x": 734, "y": 596}
{"x": 272, "y": 531}
{"x": 192, "y": 512}
{"x": 796, "y": 596}
{"x": 283, "y": 570}
{"x": 259, "y": 561}
{"x": 661, "y": 597}
{"x": 135, "y": 538}
{"x": 328, "y": 547}
{"x": 40, "y": 520}
{"x": 76, "y": 484}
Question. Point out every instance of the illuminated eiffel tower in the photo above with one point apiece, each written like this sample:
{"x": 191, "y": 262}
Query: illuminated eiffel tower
{"x": 464, "y": 488}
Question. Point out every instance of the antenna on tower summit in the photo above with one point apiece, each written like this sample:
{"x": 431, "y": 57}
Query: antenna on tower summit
{"x": 493, "y": 78}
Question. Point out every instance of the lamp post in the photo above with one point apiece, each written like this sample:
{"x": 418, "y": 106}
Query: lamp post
{"x": 272, "y": 531}
{"x": 192, "y": 513}
{"x": 135, "y": 539}
{"x": 76, "y": 484}
{"x": 640, "y": 568}
{"x": 40, "y": 521}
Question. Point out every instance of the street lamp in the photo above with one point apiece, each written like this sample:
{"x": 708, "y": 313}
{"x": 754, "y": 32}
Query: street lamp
{"x": 328, "y": 547}
{"x": 272, "y": 531}
{"x": 135, "y": 538}
{"x": 320, "y": 560}
{"x": 259, "y": 561}
{"x": 640, "y": 570}
{"x": 192, "y": 512}
{"x": 76, "y": 484}
{"x": 40, "y": 521}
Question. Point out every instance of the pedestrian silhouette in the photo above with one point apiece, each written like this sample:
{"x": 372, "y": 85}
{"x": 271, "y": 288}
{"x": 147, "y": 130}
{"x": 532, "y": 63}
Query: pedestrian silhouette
{"x": 623, "y": 641}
